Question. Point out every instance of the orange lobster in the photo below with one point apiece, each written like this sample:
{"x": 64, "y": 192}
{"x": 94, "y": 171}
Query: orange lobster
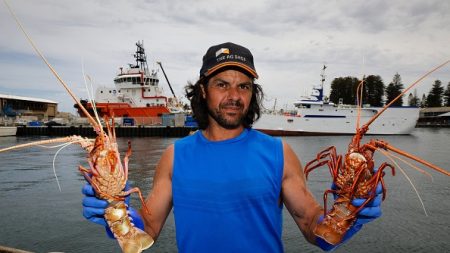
{"x": 108, "y": 178}
{"x": 106, "y": 174}
{"x": 355, "y": 176}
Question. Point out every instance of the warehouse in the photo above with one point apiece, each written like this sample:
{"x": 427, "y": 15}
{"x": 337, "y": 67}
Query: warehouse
{"x": 27, "y": 107}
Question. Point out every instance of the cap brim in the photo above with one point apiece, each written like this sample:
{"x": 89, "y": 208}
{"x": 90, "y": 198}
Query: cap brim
{"x": 227, "y": 64}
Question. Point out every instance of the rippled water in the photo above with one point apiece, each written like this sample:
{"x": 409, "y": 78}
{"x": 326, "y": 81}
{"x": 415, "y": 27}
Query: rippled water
{"x": 35, "y": 216}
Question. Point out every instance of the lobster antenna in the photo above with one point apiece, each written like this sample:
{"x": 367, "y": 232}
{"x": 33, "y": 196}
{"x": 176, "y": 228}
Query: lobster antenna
{"x": 413, "y": 166}
{"x": 363, "y": 72}
{"x": 406, "y": 90}
{"x": 54, "y": 167}
{"x": 90, "y": 97}
{"x": 50, "y": 67}
{"x": 90, "y": 91}
{"x": 64, "y": 145}
{"x": 408, "y": 178}
{"x": 359, "y": 94}
{"x": 412, "y": 157}
{"x": 55, "y": 146}
{"x": 39, "y": 143}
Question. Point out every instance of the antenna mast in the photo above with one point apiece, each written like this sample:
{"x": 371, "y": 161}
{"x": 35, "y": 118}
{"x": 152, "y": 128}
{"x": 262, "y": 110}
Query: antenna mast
{"x": 141, "y": 58}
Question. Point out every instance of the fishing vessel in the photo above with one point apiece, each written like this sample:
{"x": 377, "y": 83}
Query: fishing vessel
{"x": 315, "y": 116}
{"x": 136, "y": 94}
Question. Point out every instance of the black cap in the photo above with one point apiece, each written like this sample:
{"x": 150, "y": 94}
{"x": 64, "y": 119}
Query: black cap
{"x": 226, "y": 55}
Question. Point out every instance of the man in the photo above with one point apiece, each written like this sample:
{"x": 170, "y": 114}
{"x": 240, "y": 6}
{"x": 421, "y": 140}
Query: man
{"x": 227, "y": 183}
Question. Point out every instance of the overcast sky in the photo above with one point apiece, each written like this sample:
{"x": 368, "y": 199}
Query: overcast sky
{"x": 289, "y": 39}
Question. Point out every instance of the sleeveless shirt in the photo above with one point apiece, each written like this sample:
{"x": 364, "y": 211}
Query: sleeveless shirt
{"x": 226, "y": 193}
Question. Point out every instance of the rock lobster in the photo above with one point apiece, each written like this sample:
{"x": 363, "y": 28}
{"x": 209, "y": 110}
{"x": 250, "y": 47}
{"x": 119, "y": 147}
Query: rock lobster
{"x": 106, "y": 174}
{"x": 354, "y": 174}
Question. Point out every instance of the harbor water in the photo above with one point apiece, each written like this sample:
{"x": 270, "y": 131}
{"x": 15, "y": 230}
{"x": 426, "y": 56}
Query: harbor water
{"x": 36, "y": 216}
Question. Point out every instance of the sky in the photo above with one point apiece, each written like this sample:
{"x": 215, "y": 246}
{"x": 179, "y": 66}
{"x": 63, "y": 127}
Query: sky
{"x": 291, "y": 40}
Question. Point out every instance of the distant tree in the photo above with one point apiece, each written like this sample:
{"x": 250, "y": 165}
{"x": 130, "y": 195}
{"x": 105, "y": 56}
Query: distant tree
{"x": 434, "y": 98}
{"x": 374, "y": 88}
{"x": 394, "y": 89}
{"x": 413, "y": 100}
{"x": 423, "y": 102}
{"x": 344, "y": 88}
{"x": 447, "y": 95}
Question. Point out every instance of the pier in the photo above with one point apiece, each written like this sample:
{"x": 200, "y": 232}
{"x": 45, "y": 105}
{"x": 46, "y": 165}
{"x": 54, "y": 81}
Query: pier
{"x": 434, "y": 117}
{"x": 121, "y": 131}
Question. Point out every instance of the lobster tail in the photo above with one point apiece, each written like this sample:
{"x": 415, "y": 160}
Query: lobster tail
{"x": 130, "y": 238}
{"x": 337, "y": 222}
{"x": 137, "y": 243}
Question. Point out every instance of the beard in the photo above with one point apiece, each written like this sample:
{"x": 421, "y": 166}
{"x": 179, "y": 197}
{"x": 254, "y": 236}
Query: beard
{"x": 228, "y": 120}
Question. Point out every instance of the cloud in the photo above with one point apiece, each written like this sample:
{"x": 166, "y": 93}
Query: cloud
{"x": 289, "y": 39}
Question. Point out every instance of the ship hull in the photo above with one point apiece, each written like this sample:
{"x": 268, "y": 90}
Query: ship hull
{"x": 394, "y": 121}
{"x": 124, "y": 110}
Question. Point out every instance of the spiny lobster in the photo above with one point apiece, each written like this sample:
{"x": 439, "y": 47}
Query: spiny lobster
{"x": 354, "y": 174}
{"x": 107, "y": 175}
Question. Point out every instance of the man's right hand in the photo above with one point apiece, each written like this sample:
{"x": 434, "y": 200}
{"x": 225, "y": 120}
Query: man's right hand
{"x": 93, "y": 207}
{"x": 94, "y": 210}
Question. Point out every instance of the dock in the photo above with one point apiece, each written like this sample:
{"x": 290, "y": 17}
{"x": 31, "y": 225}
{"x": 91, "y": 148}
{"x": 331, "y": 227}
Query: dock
{"x": 121, "y": 131}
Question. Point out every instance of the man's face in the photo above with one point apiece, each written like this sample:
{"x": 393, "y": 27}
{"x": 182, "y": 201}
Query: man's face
{"x": 228, "y": 95}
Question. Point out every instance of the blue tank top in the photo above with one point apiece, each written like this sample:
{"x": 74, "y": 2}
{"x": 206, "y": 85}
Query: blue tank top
{"x": 226, "y": 193}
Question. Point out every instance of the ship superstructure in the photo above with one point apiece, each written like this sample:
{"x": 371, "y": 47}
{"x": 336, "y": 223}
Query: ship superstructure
{"x": 136, "y": 92}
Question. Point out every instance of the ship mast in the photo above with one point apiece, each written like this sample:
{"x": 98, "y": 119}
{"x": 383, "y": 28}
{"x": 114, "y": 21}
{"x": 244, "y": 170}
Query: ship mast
{"x": 141, "y": 58}
{"x": 322, "y": 80}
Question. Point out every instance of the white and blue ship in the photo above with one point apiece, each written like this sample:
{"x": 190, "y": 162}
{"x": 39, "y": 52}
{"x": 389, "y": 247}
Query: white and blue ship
{"x": 315, "y": 116}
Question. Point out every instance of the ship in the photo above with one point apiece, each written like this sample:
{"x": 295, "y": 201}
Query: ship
{"x": 136, "y": 94}
{"x": 314, "y": 115}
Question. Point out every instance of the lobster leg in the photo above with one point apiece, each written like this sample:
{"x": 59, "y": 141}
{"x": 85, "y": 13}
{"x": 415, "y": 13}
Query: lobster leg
{"x": 132, "y": 190}
{"x": 325, "y": 199}
{"x": 357, "y": 176}
{"x": 136, "y": 190}
{"x": 377, "y": 178}
{"x": 332, "y": 163}
{"x": 125, "y": 161}
{"x": 87, "y": 175}
{"x": 380, "y": 175}
{"x": 309, "y": 167}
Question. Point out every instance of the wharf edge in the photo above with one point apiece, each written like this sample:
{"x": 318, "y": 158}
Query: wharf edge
{"x": 121, "y": 131}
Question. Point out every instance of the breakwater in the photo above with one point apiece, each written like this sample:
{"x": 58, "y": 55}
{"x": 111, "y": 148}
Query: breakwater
{"x": 121, "y": 131}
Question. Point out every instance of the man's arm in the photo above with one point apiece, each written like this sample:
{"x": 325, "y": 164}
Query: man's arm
{"x": 297, "y": 198}
{"x": 159, "y": 200}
